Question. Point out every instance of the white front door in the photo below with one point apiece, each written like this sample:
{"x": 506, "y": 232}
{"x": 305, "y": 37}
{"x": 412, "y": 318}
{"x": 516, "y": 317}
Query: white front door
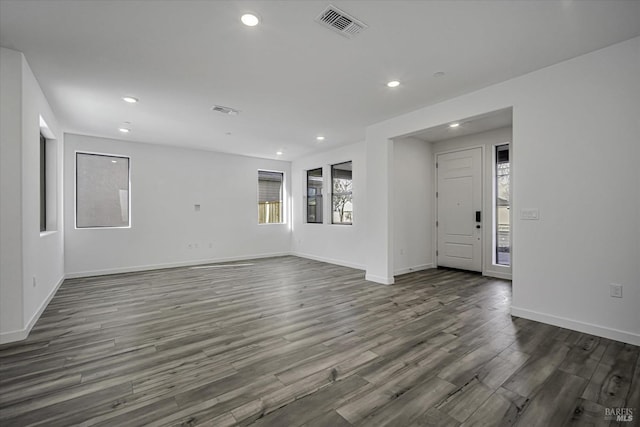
{"x": 459, "y": 200}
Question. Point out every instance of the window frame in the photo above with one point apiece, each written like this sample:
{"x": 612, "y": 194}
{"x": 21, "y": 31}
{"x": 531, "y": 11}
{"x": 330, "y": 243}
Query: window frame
{"x": 333, "y": 194}
{"x": 75, "y": 191}
{"x": 495, "y": 206}
{"x": 43, "y": 183}
{"x": 316, "y": 197}
{"x": 283, "y": 219}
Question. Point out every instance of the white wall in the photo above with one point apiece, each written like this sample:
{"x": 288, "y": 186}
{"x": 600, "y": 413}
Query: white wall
{"x": 379, "y": 237}
{"x": 338, "y": 244}
{"x": 412, "y": 205}
{"x": 576, "y": 151}
{"x": 487, "y": 141}
{"x": 32, "y": 262}
{"x": 166, "y": 183}
{"x": 10, "y": 192}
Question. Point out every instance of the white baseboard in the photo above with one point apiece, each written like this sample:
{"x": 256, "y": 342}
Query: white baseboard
{"x": 412, "y": 269}
{"x": 19, "y": 335}
{"x": 13, "y": 336}
{"x": 329, "y": 260}
{"x": 497, "y": 274}
{"x": 136, "y": 268}
{"x": 379, "y": 279}
{"x": 587, "y": 328}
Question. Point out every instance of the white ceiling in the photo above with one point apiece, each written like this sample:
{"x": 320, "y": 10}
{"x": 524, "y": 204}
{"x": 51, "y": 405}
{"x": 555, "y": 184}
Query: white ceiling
{"x": 291, "y": 78}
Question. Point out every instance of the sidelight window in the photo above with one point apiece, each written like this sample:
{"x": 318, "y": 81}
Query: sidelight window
{"x": 502, "y": 206}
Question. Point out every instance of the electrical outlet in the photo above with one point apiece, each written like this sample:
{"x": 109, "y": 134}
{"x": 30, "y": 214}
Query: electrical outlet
{"x": 615, "y": 290}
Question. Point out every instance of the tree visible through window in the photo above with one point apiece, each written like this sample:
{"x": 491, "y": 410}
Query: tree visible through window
{"x": 342, "y": 198}
{"x": 270, "y": 197}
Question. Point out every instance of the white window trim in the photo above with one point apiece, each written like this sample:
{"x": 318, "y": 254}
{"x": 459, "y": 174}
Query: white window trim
{"x": 75, "y": 189}
{"x": 284, "y": 197}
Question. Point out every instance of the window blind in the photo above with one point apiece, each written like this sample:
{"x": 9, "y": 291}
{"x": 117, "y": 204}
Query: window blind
{"x": 269, "y": 186}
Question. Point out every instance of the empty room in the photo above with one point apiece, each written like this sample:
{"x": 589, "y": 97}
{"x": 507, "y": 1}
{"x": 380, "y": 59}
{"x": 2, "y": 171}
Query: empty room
{"x": 320, "y": 213}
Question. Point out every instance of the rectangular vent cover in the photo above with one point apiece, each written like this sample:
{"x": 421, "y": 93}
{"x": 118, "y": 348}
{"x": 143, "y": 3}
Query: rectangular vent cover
{"x": 341, "y": 22}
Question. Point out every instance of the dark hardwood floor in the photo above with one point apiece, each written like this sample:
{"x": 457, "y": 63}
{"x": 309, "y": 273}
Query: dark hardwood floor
{"x": 289, "y": 341}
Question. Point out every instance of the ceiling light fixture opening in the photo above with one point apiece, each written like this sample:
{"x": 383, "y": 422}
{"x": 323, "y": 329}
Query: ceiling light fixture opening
{"x": 130, "y": 99}
{"x": 124, "y": 130}
{"x": 454, "y": 125}
{"x": 393, "y": 83}
{"x": 279, "y": 153}
{"x": 438, "y": 74}
{"x": 250, "y": 20}
{"x": 320, "y": 138}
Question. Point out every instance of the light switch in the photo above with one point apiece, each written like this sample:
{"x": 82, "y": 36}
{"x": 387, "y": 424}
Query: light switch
{"x": 529, "y": 214}
{"x": 196, "y": 208}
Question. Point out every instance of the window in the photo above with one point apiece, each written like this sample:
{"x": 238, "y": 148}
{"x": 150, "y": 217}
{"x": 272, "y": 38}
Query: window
{"x": 270, "y": 197}
{"x": 47, "y": 179}
{"x": 314, "y": 196}
{"x": 43, "y": 183}
{"x": 502, "y": 206}
{"x": 341, "y": 197}
{"x": 102, "y": 191}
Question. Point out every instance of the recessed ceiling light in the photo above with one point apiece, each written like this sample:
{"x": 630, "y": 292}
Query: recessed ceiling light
{"x": 250, "y": 20}
{"x": 393, "y": 83}
{"x": 130, "y": 99}
{"x": 279, "y": 153}
{"x": 114, "y": 161}
{"x": 438, "y": 74}
{"x": 454, "y": 125}
{"x": 320, "y": 138}
{"x": 124, "y": 130}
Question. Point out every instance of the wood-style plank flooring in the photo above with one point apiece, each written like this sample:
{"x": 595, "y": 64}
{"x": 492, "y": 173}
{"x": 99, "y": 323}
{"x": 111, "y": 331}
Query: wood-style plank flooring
{"x": 288, "y": 342}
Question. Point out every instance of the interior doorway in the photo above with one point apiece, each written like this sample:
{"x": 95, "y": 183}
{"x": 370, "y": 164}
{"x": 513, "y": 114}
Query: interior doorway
{"x": 449, "y": 225}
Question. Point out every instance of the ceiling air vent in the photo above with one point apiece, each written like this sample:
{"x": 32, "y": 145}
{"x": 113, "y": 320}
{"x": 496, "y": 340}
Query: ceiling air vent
{"x": 225, "y": 110}
{"x": 341, "y": 22}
